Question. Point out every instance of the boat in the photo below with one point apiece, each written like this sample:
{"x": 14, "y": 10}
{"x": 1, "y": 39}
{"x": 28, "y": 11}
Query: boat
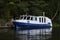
{"x": 34, "y": 25}
{"x": 28, "y": 22}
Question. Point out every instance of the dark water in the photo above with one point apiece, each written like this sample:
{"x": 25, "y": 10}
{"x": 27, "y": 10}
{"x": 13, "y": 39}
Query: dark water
{"x": 7, "y": 34}
{"x": 56, "y": 34}
{"x": 10, "y": 34}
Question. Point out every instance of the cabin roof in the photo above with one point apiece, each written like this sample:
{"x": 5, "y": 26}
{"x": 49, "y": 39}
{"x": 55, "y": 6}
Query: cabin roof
{"x": 32, "y": 16}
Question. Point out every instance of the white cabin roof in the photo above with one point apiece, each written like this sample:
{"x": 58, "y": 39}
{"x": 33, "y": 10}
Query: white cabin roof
{"x": 32, "y": 16}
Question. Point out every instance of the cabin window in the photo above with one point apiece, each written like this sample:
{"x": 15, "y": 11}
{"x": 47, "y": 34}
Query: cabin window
{"x": 28, "y": 18}
{"x": 21, "y": 17}
{"x": 25, "y": 17}
{"x": 44, "y": 19}
{"x": 39, "y": 19}
{"x": 35, "y": 19}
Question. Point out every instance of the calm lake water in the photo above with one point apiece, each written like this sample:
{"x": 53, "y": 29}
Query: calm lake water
{"x": 11, "y": 34}
{"x": 34, "y": 34}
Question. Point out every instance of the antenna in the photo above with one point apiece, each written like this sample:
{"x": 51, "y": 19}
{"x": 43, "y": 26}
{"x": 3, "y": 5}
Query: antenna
{"x": 43, "y": 13}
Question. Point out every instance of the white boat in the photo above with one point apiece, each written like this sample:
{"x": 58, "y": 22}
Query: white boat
{"x": 35, "y": 25}
{"x": 28, "y": 22}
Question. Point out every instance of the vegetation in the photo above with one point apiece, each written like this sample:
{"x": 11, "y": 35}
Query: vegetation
{"x": 13, "y": 8}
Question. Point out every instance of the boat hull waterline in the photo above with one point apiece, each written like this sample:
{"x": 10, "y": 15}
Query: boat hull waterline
{"x": 31, "y": 26}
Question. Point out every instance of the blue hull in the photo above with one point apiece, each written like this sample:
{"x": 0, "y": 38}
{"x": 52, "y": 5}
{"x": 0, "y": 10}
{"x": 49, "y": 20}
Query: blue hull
{"x": 31, "y": 26}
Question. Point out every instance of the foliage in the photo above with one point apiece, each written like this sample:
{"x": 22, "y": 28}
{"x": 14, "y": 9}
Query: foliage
{"x": 14, "y": 8}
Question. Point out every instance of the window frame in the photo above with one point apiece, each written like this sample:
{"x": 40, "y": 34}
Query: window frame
{"x": 44, "y": 20}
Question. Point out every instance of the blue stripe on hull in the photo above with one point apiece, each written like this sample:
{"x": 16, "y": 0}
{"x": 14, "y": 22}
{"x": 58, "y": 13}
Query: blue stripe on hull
{"x": 31, "y": 26}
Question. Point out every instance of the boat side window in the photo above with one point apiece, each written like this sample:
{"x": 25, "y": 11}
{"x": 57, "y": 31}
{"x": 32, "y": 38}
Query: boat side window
{"x": 39, "y": 19}
{"x": 25, "y": 17}
{"x": 35, "y": 18}
{"x": 21, "y": 17}
{"x": 44, "y": 19}
{"x": 28, "y": 18}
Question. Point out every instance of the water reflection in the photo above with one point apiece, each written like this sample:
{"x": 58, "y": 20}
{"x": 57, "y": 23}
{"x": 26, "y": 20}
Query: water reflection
{"x": 35, "y": 34}
{"x": 11, "y": 34}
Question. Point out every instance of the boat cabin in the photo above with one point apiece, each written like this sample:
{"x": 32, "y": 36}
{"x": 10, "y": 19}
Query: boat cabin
{"x": 41, "y": 19}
